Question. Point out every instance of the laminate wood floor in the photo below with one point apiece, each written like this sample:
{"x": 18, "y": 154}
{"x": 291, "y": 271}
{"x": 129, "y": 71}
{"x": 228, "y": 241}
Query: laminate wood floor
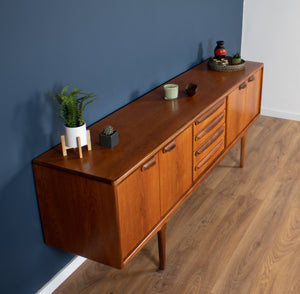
{"x": 239, "y": 233}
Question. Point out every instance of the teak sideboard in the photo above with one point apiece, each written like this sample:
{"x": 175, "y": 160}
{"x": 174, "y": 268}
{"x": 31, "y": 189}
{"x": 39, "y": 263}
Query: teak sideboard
{"x": 108, "y": 204}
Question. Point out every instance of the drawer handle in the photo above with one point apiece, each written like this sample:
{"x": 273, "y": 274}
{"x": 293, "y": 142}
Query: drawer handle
{"x": 210, "y": 141}
{"x": 213, "y": 124}
{"x": 148, "y": 164}
{"x": 209, "y": 155}
{"x": 209, "y": 113}
{"x": 251, "y": 79}
{"x": 243, "y": 86}
{"x": 169, "y": 147}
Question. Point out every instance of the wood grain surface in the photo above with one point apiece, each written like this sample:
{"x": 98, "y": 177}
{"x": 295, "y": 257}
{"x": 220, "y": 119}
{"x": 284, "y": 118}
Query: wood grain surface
{"x": 148, "y": 122}
{"x": 243, "y": 105}
{"x": 139, "y": 205}
{"x": 239, "y": 233}
{"x": 175, "y": 170}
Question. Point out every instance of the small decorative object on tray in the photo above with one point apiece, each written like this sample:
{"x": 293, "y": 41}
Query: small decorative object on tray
{"x": 220, "y": 51}
{"x": 226, "y": 64}
{"x": 221, "y": 62}
{"x": 109, "y": 137}
{"x": 191, "y": 89}
{"x": 236, "y": 59}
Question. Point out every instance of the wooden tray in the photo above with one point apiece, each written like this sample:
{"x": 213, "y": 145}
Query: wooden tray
{"x": 226, "y": 68}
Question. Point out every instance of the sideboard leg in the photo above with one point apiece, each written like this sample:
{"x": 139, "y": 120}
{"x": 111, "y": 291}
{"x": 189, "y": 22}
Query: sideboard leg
{"x": 243, "y": 150}
{"x": 162, "y": 247}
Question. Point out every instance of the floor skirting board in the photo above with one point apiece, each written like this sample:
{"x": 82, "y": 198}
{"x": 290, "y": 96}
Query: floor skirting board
{"x": 62, "y": 275}
{"x": 280, "y": 114}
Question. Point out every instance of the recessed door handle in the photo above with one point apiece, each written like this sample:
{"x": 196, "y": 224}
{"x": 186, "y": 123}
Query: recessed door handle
{"x": 150, "y": 163}
{"x": 243, "y": 86}
{"x": 169, "y": 147}
{"x": 251, "y": 79}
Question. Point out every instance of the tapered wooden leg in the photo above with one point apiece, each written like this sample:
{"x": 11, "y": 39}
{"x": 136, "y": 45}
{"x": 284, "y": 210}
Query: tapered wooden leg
{"x": 243, "y": 150}
{"x": 162, "y": 247}
{"x": 63, "y": 145}
{"x": 79, "y": 146}
{"x": 88, "y": 135}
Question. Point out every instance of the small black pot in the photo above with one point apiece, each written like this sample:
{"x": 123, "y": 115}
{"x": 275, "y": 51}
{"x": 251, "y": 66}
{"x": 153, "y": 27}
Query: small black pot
{"x": 109, "y": 141}
{"x": 191, "y": 89}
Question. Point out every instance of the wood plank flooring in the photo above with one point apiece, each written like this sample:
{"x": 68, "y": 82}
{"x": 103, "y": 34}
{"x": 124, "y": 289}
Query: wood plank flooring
{"x": 239, "y": 233}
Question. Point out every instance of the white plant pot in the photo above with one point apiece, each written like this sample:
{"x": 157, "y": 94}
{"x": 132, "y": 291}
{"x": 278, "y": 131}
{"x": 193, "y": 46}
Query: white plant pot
{"x": 73, "y": 133}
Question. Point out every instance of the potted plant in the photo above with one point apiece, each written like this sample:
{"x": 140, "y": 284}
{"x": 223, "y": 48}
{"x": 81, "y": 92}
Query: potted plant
{"x": 236, "y": 59}
{"x": 109, "y": 137}
{"x": 71, "y": 110}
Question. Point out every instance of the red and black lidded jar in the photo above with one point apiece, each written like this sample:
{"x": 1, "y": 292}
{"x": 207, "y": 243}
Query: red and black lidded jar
{"x": 220, "y": 51}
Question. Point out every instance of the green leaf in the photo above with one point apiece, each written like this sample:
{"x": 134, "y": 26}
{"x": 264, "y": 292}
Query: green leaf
{"x": 65, "y": 89}
{"x": 72, "y": 106}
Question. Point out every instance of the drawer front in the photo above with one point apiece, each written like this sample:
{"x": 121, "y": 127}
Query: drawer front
{"x": 208, "y": 119}
{"x": 209, "y": 138}
{"x": 202, "y": 165}
{"x": 201, "y": 137}
{"x": 209, "y": 145}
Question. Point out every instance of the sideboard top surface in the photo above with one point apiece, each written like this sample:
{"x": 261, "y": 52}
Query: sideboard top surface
{"x": 147, "y": 123}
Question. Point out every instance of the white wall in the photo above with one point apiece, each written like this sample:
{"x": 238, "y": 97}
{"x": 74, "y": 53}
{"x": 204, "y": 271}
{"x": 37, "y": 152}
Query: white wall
{"x": 271, "y": 34}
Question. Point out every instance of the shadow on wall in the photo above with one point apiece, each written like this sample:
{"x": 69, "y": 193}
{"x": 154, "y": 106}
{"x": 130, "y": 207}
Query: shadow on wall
{"x": 137, "y": 93}
{"x": 201, "y": 52}
{"x": 37, "y": 125}
{"x": 201, "y": 56}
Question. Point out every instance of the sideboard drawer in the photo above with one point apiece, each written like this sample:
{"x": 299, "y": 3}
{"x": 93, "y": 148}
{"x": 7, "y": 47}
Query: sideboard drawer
{"x": 209, "y": 145}
{"x": 208, "y": 157}
{"x": 204, "y": 123}
{"x": 209, "y": 138}
{"x": 205, "y": 134}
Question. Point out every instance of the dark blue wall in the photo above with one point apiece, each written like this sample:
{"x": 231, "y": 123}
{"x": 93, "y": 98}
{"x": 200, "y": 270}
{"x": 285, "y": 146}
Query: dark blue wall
{"x": 119, "y": 49}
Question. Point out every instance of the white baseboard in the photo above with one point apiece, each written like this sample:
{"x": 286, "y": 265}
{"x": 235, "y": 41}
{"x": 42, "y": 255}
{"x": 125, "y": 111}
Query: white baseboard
{"x": 280, "y": 114}
{"x": 62, "y": 275}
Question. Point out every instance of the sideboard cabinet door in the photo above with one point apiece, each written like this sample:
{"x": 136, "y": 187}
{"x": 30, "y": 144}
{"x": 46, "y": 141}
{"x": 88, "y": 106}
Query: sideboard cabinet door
{"x": 175, "y": 162}
{"x": 139, "y": 205}
{"x": 243, "y": 104}
{"x": 254, "y": 94}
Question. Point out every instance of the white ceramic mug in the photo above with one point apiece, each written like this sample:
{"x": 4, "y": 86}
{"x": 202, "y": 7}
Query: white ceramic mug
{"x": 171, "y": 91}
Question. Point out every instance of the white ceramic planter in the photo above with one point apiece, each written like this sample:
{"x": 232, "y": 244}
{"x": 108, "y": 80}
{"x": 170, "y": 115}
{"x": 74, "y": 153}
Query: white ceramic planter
{"x": 73, "y": 133}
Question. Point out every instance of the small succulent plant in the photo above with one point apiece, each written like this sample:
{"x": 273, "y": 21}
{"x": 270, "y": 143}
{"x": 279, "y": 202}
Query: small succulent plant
{"x": 236, "y": 59}
{"x": 108, "y": 130}
{"x": 109, "y": 137}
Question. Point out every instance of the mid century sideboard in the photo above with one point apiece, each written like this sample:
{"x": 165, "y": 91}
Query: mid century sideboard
{"x": 108, "y": 204}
